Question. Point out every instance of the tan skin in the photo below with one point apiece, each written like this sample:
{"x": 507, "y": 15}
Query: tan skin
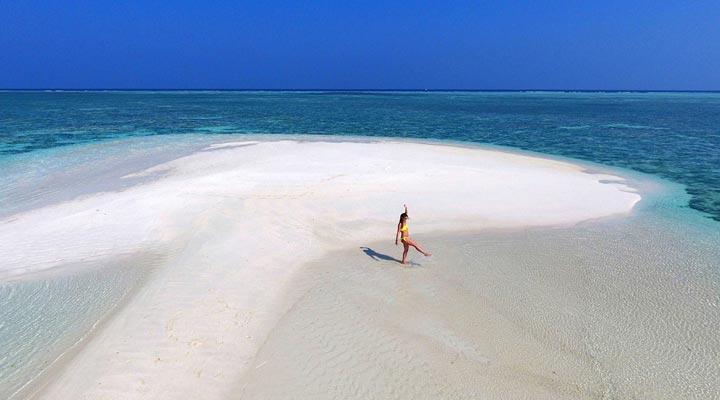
{"x": 405, "y": 238}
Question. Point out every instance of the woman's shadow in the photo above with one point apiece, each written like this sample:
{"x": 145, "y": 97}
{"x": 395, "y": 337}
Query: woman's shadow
{"x": 378, "y": 256}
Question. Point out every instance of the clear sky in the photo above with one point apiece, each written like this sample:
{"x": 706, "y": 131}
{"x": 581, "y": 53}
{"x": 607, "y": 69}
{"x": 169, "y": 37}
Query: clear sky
{"x": 524, "y": 44}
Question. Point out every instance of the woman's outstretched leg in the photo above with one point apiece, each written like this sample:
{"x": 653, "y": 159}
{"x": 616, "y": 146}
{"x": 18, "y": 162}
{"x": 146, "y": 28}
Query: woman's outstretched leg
{"x": 415, "y": 245}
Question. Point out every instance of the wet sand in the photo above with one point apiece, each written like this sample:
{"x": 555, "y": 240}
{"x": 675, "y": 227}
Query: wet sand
{"x": 620, "y": 309}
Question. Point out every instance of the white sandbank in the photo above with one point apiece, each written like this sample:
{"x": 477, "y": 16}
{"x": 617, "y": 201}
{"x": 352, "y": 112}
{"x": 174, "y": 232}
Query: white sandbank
{"x": 238, "y": 219}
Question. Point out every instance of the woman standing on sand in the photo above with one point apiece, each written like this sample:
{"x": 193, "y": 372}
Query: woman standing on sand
{"x": 404, "y": 234}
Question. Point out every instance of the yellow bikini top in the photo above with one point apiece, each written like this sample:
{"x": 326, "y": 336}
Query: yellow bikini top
{"x": 404, "y": 228}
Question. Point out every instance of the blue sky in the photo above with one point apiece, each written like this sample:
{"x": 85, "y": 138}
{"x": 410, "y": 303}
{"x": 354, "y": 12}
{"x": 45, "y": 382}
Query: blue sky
{"x": 610, "y": 45}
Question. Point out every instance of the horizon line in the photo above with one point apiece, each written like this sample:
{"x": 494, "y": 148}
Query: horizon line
{"x": 355, "y": 90}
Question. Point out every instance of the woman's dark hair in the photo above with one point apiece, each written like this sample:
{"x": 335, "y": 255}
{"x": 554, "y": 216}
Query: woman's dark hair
{"x": 403, "y": 215}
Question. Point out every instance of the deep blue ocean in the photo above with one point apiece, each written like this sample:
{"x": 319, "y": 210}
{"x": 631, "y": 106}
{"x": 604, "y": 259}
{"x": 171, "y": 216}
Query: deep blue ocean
{"x": 675, "y": 136}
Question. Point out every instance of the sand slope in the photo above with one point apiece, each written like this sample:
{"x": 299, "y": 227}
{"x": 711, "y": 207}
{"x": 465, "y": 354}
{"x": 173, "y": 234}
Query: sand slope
{"x": 238, "y": 219}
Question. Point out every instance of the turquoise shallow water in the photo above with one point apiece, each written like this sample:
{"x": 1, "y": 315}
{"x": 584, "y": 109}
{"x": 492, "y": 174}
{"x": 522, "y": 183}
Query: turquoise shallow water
{"x": 43, "y": 319}
{"x": 672, "y": 135}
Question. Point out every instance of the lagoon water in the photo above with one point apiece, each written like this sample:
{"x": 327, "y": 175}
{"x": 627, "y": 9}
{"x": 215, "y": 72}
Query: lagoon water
{"x": 623, "y": 308}
{"x": 675, "y": 136}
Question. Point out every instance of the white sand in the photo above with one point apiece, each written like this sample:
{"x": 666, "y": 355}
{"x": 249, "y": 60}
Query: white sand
{"x": 240, "y": 218}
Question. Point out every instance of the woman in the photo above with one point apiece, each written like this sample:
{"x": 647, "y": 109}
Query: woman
{"x": 402, "y": 232}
